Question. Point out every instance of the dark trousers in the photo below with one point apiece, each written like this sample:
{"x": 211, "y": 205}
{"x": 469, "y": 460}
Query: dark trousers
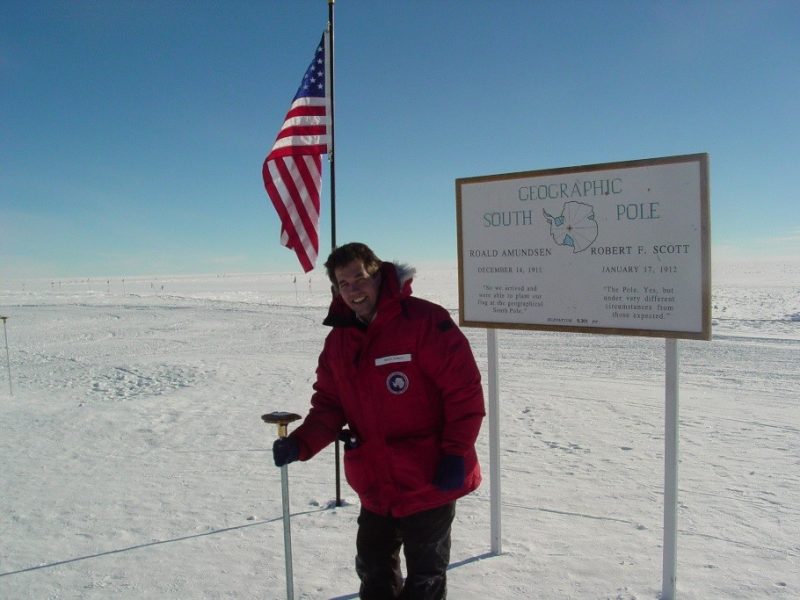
{"x": 425, "y": 538}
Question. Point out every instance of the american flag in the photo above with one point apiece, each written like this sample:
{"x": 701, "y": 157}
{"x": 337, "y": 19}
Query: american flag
{"x": 293, "y": 168}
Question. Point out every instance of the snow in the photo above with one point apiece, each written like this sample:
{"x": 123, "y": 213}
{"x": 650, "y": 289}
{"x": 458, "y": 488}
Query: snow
{"x": 134, "y": 463}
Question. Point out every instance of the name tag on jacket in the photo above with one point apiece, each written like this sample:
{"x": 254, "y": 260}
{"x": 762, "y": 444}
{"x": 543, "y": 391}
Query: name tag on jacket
{"x": 388, "y": 360}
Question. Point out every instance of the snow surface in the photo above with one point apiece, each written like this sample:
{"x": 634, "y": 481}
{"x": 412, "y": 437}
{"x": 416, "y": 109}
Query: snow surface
{"x": 134, "y": 463}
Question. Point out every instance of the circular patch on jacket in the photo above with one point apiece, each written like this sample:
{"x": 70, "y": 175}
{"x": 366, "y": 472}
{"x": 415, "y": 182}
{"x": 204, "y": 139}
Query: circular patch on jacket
{"x": 397, "y": 382}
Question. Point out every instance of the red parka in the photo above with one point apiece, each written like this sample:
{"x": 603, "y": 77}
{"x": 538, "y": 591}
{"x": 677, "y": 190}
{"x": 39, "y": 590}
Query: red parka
{"x": 408, "y": 388}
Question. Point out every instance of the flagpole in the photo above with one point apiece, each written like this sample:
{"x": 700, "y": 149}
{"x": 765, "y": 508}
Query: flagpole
{"x": 331, "y": 135}
{"x": 332, "y": 164}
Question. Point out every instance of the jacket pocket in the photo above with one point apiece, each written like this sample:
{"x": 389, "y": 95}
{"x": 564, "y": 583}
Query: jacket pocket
{"x": 414, "y": 462}
{"x": 356, "y": 470}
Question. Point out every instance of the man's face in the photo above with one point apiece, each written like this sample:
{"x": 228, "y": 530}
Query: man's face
{"x": 358, "y": 289}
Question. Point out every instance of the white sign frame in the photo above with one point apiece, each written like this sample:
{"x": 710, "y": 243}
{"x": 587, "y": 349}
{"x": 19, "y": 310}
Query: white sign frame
{"x": 618, "y": 248}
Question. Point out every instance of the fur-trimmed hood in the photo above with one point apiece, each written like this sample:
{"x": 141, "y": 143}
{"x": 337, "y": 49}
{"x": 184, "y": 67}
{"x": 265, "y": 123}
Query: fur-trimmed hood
{"x": 405, "y": 273}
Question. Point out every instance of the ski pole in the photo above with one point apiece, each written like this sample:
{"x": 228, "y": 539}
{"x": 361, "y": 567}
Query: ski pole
{"x": 282, "y": 419}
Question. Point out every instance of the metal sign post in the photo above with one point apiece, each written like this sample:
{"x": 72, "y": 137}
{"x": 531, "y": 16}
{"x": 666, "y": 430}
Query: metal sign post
{"x": 494, "y": 442}
{"x": 671, "y": 393}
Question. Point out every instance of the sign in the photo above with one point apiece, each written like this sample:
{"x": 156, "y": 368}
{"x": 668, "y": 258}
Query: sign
{"x": 615, "y": 248}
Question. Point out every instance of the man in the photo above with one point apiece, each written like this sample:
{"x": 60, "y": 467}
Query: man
{"x": 401, "y": 375}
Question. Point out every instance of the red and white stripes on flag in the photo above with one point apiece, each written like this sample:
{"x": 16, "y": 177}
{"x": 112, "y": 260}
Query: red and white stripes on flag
{"x": 293, "y": 169}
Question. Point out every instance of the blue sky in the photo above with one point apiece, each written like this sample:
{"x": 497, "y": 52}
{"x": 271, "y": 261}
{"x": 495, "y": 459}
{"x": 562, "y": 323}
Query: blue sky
{"x": 132, "y": 133}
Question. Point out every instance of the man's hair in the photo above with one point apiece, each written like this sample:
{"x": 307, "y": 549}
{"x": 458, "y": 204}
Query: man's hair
{"x": 344, "y": 255}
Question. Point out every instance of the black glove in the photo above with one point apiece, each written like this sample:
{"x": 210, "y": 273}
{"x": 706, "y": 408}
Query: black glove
{"x": 350, "y": 439}
{"x": 450, "y": 473}
{"x": 285, "y": 450}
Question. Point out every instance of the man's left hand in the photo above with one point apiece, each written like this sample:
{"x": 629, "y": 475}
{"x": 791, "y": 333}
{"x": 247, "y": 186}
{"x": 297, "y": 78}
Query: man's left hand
{"x": 450, "y": 473}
